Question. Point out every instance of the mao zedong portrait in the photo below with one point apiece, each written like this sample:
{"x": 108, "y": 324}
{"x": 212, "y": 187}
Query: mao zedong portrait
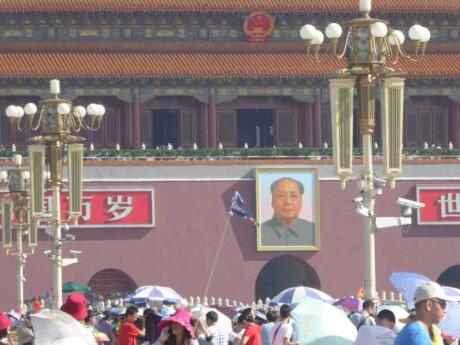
{"x": 285, "y": 228}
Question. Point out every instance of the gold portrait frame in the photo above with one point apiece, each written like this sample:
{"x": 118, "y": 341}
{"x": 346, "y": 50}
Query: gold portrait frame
{"x": 263, "y": 176}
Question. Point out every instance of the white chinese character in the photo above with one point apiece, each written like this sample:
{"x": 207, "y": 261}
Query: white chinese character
{"x": 119, "y": 208}
{"x": 86, "y": 209}
{"x": 450, "y": 205}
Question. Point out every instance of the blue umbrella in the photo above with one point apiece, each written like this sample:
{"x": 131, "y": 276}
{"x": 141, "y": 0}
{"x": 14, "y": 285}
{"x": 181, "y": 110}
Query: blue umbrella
{"x": 407, "y": 283}
{"x": 155, "y": 293}
{"x": 319, "y": 323}
{"x": 296, "y": 294}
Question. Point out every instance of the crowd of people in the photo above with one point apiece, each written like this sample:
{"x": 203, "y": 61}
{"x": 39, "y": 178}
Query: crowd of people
{"x": 154, "y": 326}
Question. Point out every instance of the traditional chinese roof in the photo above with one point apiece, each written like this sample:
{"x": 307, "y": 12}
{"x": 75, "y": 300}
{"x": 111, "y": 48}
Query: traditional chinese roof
{"x": 281, "y": 6}
{"x": 199, "y": 65}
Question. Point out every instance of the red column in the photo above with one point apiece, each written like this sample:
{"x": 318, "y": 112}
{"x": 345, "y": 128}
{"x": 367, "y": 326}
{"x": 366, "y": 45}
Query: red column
{"x": 308, "y": 136}
{"x": 136, "y": 120}
{"x": 212, "y": 119}
{"x": 455, "y": 124}
{"x": 204, "y": 128}
{"x": 125, "y": 125}
{"x": 317, "y": 120}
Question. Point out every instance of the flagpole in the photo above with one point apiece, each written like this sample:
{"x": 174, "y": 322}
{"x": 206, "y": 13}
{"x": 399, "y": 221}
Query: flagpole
{"x": 219, "y": 248}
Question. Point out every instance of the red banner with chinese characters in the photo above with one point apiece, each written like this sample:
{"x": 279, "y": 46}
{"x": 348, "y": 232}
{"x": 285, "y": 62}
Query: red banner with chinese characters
{"x": 442, "y": 205}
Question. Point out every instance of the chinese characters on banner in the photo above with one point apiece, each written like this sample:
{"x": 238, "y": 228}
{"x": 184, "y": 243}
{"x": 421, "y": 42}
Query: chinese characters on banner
{"x": 111, "y": 208}
{"x": 442, "y": 205}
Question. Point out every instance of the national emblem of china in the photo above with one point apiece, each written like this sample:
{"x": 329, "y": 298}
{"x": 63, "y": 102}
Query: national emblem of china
{"x": 258, "y": 27}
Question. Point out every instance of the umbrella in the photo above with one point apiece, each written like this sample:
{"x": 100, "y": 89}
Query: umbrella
{"x": 155, "y": 293}
{"x": 100, "y": 337}
{"x": 294, "y": 295}
{"x": 319, "y": 323}
{"x": 75, "y": 287}
{"x": 349, "y": 303}
{"x": 55, "y": 327}
{"x": 398, "y": 311}
{"x": 450, "y": 324}
{"x": 407, "y": 283}
{"x": 223, "y": 321}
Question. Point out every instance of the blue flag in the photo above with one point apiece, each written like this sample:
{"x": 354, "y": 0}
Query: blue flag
{"x": 238, "y": 207}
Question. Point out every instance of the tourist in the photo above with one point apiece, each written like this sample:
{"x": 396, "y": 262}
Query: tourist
{"x": 430, "y": 307}
{"x": 380, "y": 334}
{"x": 176, "y": 329}
{"x": 282, "y": 331}
{"x": 272, "y": 316}
{"x": 218, "y": 333}
{"x": 5, "y": 324}
{"x": 75, "y": 306}
{"x": 252, "y": 332}
{"x": 25, "y": 332}
{"x": 128, "y": 332}
{"x": 365, "y": 317}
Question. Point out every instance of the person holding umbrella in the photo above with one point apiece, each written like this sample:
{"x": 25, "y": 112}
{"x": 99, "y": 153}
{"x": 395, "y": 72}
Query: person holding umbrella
{"x": 5, "y": 324}
{"x": 430, "y": 307}
{"x": 177, "y": 330}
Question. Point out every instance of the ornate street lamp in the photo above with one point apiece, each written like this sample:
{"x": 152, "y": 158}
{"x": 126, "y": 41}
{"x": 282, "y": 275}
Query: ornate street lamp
{"x": 58, "y": 120}
{"x": 16, "y": 219}
{"x": 369, "y": 45}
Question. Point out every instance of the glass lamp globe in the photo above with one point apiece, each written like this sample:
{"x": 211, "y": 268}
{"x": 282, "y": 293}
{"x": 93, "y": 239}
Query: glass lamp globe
{"x": 307, "y": 32}
{"x": 416, "y": 32}
{"x": 426, "y": 34}
{"x": 379, "y": 30}
{"x": 333, "y": 30}
{"x": 396, "y": 37}
{"x": 30, "y": 109}
{"x": 318, "y": 37}
{"x": 63, "y": 108}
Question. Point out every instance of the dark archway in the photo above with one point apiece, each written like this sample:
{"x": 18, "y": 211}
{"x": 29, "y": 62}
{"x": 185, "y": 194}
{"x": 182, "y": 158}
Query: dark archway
{"x": 450, "y": 277}
{"x": 284, "y": 272}
{"x": 111, "y": 280}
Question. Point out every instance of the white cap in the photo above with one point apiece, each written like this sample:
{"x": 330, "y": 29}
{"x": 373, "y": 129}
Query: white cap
{"x": 430, "y": 290}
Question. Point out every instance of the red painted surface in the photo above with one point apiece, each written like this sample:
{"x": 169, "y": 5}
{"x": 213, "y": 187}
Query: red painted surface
{"x": 442, "y": 205}
{"x": 180, "y": 250}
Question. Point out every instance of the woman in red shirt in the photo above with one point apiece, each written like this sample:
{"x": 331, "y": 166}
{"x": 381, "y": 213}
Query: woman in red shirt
{"x": 252, "y": 334}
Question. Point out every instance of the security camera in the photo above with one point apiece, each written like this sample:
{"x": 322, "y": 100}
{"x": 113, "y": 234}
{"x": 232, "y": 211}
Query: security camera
{"x": 379, "y": 183}
{"x": 358, "y": 200}
{"x": 47, "y": 252}
{"x": 69, "y": 237}
{"x": 409, "y": 203}
{"x": 75, "y": 252}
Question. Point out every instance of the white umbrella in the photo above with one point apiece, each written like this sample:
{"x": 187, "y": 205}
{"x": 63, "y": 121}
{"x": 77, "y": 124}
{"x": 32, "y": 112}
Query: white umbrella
{"x": 54, "y": 327}
{"x": 156, "y": 293}
{"x": 223, "y": 321}
{"x": 399, "y": 312}
{"x": 319, "y": 323}
{"x": 294, "y": 295}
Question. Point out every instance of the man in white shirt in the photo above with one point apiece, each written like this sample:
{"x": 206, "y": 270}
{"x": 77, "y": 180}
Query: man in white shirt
{"x": 380, "y": 334}
{"x": 282, "y": 331}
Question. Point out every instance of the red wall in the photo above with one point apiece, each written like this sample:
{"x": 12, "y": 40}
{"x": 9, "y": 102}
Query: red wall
{"x": 180, "y": 250}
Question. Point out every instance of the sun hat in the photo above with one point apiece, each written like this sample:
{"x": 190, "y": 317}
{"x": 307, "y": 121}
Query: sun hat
{"x": 430, "y": 290}
{"x": 182, "y": 317}
{"x": 76, "y": 306}
{"x": 5, "y": 321}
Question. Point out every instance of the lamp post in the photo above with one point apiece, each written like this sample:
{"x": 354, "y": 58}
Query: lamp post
{"x": 369, "y": 44}
{"x": 59, "y": 122}
{"x": 15, "y": 219}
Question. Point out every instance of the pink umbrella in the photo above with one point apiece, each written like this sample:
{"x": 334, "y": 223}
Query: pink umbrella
{"x": 349, "y": 303}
